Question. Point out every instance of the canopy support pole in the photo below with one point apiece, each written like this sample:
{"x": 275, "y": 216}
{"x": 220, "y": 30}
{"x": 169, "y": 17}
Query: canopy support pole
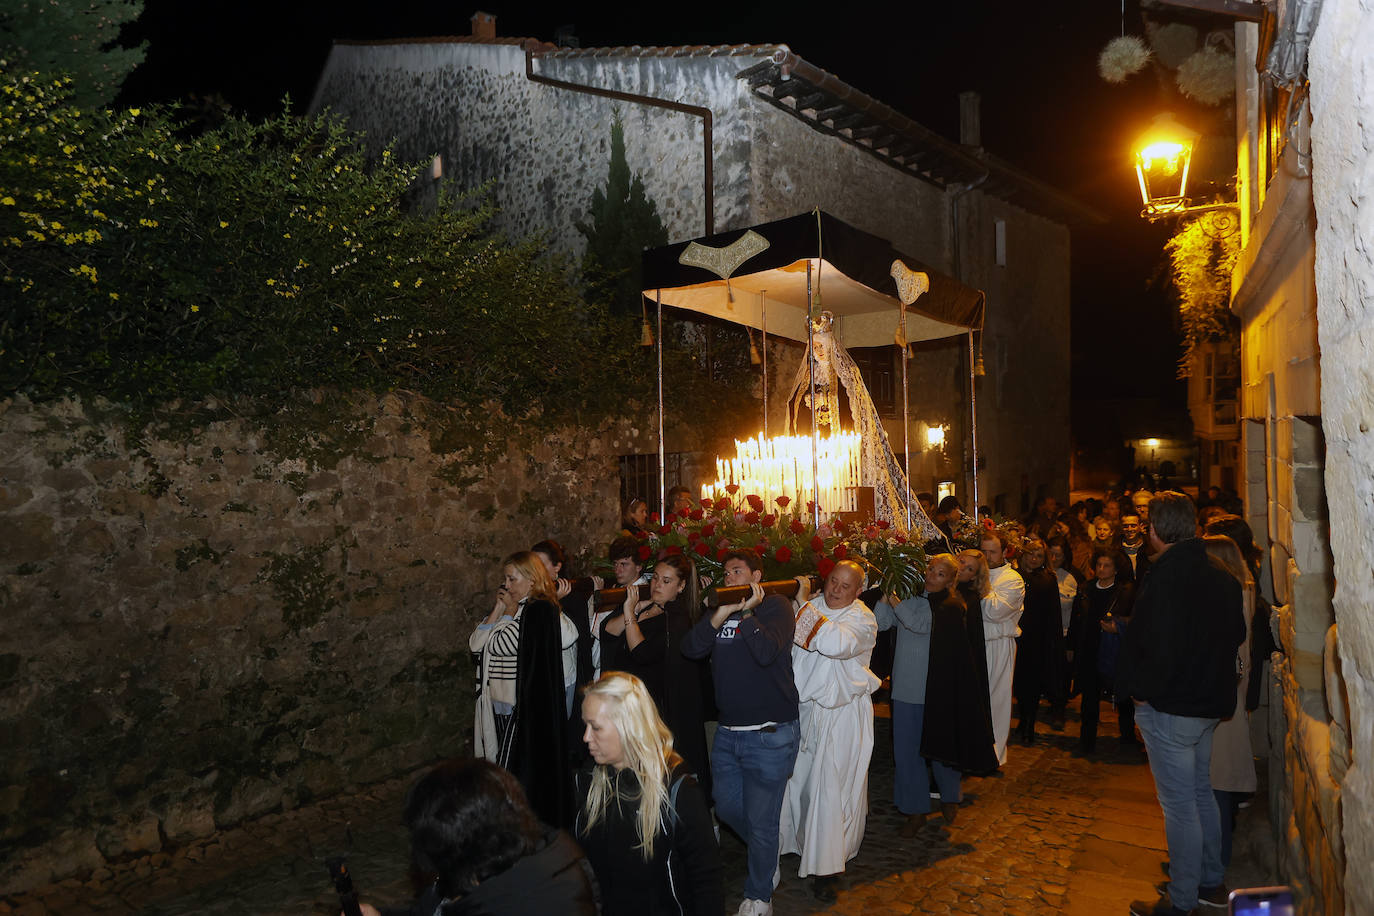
{"x": 662, "y": 457}
{"x": 763, "y": 333}
{"x": 973, "y": 419}
{"x": 811, "y": 373}
{"x": 906, "y": 420}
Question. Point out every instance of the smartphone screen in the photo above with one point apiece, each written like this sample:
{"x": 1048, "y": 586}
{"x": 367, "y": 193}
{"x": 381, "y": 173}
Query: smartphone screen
{"x": 1262, "y": 901}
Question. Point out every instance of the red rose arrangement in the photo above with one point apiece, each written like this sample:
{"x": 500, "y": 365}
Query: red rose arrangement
{"x": 788, "y": 543}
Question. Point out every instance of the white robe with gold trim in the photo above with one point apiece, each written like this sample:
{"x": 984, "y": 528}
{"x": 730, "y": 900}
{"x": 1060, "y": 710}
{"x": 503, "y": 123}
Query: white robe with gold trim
{"x": 826, "y": 803}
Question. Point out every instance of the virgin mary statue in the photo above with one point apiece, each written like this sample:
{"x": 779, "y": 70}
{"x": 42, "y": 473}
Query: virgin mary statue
{"x": 837, "y": 377}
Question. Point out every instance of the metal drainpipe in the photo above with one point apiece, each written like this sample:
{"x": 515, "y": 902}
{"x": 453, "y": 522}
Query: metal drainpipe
{"x": 959, "y": 275}
{"x": 652, "y": 101}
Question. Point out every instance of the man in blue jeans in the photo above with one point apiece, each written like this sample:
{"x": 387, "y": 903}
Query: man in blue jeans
{"x": 1178, "y": 662}
{"x": 750, "y": 645}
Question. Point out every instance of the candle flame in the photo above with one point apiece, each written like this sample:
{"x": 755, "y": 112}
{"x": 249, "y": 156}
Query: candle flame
{"x": 781, "y": 466}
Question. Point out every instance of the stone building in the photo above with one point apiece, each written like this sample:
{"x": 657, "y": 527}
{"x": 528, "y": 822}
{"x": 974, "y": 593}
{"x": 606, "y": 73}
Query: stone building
{"x": 1302, "y": 291}
{"x": 726, "y": 137}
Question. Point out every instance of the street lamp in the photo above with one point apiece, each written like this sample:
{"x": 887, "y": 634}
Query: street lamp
{"x": 1162, "y": 156}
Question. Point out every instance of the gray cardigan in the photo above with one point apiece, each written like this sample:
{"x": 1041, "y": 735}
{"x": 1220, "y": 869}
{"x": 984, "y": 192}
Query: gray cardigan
{"x": 912, "y": 619}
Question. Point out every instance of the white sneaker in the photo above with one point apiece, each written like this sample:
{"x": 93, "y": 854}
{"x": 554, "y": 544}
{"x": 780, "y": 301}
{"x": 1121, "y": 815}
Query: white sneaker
{"x": 755, "y": 908}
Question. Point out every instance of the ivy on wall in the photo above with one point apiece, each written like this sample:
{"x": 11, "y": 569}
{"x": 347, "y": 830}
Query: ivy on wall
{"x": 1202, "y": 254}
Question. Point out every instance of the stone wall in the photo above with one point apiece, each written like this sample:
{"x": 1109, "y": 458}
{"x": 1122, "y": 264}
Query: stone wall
{"x": 545, "y": 149}
{"x": 206, "y": 622}
{"x": 1343, "y": 190}
{"x": 1023, "y": 400}
{"x": 1286, "y": 507}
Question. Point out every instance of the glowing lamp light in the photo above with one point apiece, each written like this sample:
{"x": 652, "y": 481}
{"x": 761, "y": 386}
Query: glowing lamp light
{"x": 1162, "y": 156}
{"x": 1152, "y": 443}
{"x": 935, "y": 436}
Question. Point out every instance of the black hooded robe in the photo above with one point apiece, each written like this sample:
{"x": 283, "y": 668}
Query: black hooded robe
{"x": 958, "y": 723}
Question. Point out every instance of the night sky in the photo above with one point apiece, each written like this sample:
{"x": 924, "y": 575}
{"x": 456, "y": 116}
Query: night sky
{"x": 1044, "y": 108}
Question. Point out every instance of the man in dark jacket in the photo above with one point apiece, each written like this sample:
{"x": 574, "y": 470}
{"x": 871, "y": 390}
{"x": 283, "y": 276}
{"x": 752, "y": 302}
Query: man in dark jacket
{"x": 1178, "y": 661}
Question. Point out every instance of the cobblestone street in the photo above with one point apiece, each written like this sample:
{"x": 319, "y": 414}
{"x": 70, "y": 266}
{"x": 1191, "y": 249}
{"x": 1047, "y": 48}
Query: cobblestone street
{"x": 1053, "y": 833}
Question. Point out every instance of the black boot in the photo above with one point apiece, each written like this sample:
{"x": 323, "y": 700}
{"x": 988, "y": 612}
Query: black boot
{"x": 824, "y": 888}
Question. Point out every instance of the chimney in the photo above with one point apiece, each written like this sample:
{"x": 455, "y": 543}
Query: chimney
{"x": 484, "y": 25}
{"x": 970, "y": 119}
{"x": 565, "y": 36}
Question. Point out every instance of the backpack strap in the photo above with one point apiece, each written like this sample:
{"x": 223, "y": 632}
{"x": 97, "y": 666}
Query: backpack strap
{"x": 672, "y": 803}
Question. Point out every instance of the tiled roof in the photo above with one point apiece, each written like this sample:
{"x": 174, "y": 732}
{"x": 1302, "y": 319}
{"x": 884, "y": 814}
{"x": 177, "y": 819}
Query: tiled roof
{"x": 546, "y": 49}
{"x": 533, "y": 44}
{"x": 831, "y": 106}
{"x": 672, "y": 51}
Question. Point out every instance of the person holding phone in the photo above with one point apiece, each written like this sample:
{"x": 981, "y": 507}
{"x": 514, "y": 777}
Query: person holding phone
{"x": 526, "y": 676}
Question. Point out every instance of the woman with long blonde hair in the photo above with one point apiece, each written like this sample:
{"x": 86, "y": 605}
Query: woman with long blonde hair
{"x": 526, "y": 652}
{"x": 1233, "y": 760}
{"x": 643, "y": 821}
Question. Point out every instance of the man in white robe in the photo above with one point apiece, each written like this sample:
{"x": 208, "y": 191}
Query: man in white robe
{"x": 826, "y": 802}
{"x": 1001, "y": 616}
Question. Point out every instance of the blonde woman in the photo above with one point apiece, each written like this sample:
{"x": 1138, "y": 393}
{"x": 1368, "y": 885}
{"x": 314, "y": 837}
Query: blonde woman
{"x": 643, "y": 820}
{"x": 1233, "y": 760}
{"x": 526, "y": 675}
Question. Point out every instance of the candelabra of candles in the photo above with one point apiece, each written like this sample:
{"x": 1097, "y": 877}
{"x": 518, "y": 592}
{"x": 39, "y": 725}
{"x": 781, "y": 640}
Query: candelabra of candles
{"x": 782, "y": 466}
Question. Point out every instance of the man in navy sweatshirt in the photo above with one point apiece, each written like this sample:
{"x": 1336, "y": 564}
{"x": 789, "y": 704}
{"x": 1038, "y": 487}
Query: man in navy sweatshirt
{"x": 750, "y": 646}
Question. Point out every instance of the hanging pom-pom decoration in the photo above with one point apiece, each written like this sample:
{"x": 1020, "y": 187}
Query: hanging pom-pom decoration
{"x": 1208, "y": 76}
{"x": 1121, "y": 58}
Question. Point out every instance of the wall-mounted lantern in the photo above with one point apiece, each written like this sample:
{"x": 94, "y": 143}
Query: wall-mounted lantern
{"x": 1163, "y": 155}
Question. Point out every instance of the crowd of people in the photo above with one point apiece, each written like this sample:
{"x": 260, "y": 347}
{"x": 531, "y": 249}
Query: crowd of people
{"x": 614, "y": 803}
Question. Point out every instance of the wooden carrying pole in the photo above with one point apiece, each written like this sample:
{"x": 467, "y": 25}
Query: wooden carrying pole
{"x": 715, "y": 597}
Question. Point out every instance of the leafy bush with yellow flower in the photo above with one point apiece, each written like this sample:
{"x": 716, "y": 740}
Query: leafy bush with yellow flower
{"x": 145, "y": 261}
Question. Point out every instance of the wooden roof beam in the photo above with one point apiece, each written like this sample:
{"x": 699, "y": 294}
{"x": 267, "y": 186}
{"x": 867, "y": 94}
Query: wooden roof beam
{"x": 1245, "y": 10}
